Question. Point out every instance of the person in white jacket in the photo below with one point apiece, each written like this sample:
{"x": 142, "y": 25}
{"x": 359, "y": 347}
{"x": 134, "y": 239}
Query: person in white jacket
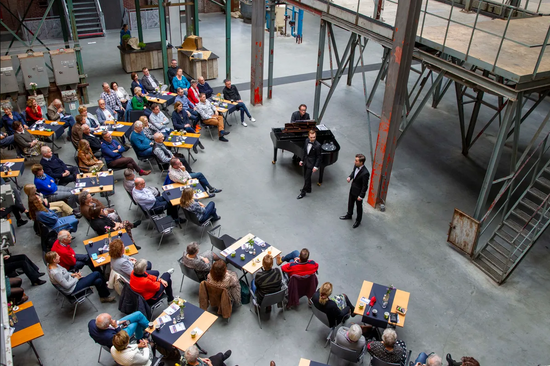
{"x": 126, "y": 354}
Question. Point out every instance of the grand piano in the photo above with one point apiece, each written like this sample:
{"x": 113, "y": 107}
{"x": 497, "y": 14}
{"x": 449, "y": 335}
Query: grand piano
{"x": 293, "y": 136}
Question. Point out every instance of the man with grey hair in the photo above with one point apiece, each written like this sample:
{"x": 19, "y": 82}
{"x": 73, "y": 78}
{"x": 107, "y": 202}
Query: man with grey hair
{"x": 56, "y": 112}
{"x": 141, "y": 144}
{"x": 201, "y": 263}
{"x": 424, "y": 360}
{"x": 390, "y": 349}
{"x": 112, "y": 101}
{"x": 350, "y": 338}
{"x": 104, "y": 112}
{"x": 191, "y": 358}
{"x": 103, "y": 328}
{"x": 56, "y": 168}
{"x": 150, "y": 200}
{"x": 159, "y": 120}
{"x": 128, "y": 183}
{"x": 151, "y": 287}
{"x": 95, "y": 143}
{"x": 67, "y": 257}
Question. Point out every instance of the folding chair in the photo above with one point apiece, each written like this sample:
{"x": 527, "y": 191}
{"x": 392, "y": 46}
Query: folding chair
{"x": 191, "y": 217}
{"x": 76, "y": 299}
{"x": 220, "y": 242}
{"x": 187, "y": 272}
{"x": 204, "y": 126}
{"x": 162, "y": 224}
{"x": 355, "y": 356}
{"x": 378, "y": 362}
{"x": 268, "y": 300}
{"x": 324, "y": 319}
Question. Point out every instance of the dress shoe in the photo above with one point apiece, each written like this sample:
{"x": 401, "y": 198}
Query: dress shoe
{"x": 211, "y": 195}
{"x": 78, "y": 215}
{"x": 136, "y": 223}
{"x": 38, "y": 282}
{"x": 279, "y": 260}
{"x": 137, "y": 247}
{"x": 223, "y": 139}
{"x": 227, "y": 354}
{"x": 40, "y": 274}
{"x": 356, "y": 223}
{"x": 21, "y": 222}
{"x": 214, "y": 190}
{"x": 195, "y": 149}
{"x": 144, "y": 172}
{"x": 301, "y": 195}
{"x": 345, "y": 217}
{"x": 226, "y": 133}
{"x": 272, "y": 363}
{"x": 200, "y": 145}
{"x": 24, "y": 298}
{"x": 449, "y": 359}
{"x": 216, "y": 218}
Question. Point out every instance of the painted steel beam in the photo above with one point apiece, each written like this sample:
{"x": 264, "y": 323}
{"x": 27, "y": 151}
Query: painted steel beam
{"x": 270, "y": 51}
{"x": 257, "y": 54}
{"x": 138, "y": 20}
{"x": 78, "y": 53}
{"x": 319, "y": 72}
{"x": 162, "y": 24}
{"x": 228, "y": 39}
{"x": 404, "y": 36}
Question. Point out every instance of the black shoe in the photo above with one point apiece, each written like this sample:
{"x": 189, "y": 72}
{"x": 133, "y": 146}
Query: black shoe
{"x": 137, "y": 247}
{"x": 223, "y": 139}
{"x": 449, "y": 359}
{"x": 211, "y": 195}
{"x": 38, "y": 282}
{"x": 40, "y": 274}
{"x": 214, "y": 190}
{"x": 345, "y": 217}
{"x": 78, "y": 215}
{"x": 200, "y": 145}
{"x": 301, "y": 195}
{"x": 195, "y": 149}
{"x": 136, "y": 223}
{"x": 356, "y": 223}
{"x": 216, "y": 218}
{"x": 28, "y": 214}
{"x": 21, "y": 222}
{"x": 225, "y": 133}
{"x": 226, "y": 355}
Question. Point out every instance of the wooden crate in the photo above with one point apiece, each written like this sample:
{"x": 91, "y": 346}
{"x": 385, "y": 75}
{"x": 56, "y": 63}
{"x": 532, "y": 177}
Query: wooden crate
{"x": 150, "y": 57}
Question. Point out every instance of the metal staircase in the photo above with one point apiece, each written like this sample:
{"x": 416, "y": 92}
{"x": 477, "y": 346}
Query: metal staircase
{"x": 522, "y": 225}
{"x": 89, "y": 18}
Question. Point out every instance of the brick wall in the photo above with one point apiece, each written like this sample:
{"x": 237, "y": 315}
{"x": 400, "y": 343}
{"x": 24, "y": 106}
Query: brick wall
{"x": 18, "y": 7}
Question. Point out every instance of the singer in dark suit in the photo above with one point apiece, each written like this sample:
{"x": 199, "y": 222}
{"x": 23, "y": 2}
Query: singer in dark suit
{"x": 310, "y": 162}
{"x": 359, "y": 179}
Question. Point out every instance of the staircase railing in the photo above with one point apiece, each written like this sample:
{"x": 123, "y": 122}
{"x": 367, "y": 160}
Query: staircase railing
{"x": 100, "y": 14}
{"x": 67, "y": 18}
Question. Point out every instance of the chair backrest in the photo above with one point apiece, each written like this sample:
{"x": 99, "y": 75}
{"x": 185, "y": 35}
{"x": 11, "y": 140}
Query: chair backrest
{"x": 131, "y": 197}
{"x": 347, "y": 354}
{"x": 191, "y": 217}
{"x": 215, "y": 298}
{"x": 274, "y": 298}
{"x": 163, "y": 224}
{"x": 306, "y": 285}
{"x": 217, "y": 242}
{"x": 188, "y": 272}
{"x": 167, "y": 180}
{"x": 378, "y": 362}
{"x": 320, "y": 315}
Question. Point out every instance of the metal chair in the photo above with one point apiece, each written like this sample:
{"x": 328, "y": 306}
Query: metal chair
{"x": 76, "y": 299}
{"x": 268, "y": 300}
{"x": 324, "y": 319}
{"x": 162, "y": 224}
{"x": 378, "y": 362}
{"x": 101, "y": 348}
{"x": 131, "y": 200}
{"x": 191, "y": 217}
{"x": 163, "y": 167}
{"x": 220, "y": 242}
{"x": 187, "y": 272}
{"x": 355, "y": 356}
{"x": 204, "y": 126}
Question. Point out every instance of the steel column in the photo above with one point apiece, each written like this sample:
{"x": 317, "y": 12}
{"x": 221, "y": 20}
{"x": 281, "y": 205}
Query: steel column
{"x": 78, "y": 54}
{"x": 20, "y": 23}
{"x": 64, "y": 28}
{"x": 162, "y": 24}
{"x": 404, "y": 37}
{"x": 351, "y": 68}
{"x": 473, "y": 122}
{"x": 319, "y": 72}
{"x": 257, "y": 54}
{"x": 189, "y": 22}
{"x": 138, "y": 20}
{"x": 196, "y": 17}
{"x": 270, "y": 51}
{"x": 228, "y": 39}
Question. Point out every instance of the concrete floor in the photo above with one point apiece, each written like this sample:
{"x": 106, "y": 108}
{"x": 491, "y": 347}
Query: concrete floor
{"x": 453, "y": 306}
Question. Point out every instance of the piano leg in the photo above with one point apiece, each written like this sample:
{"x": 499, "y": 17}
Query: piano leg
{"x": 321, "y": 172}
{"x": 274, "y": 156}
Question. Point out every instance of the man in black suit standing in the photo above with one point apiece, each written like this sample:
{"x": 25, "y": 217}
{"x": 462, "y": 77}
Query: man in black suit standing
{"x": 360, "y": 177}
{"x": 310, "y": 162}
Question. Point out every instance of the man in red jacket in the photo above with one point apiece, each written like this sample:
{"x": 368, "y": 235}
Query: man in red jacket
{"x": 300, "y": 266}
{"x": 68, "y": 259}
{"x": 149, "y": 286}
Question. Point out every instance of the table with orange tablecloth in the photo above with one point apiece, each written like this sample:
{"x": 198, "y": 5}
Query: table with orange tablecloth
{"x": 398, "y": 298}
{"x": 27, "y": 328}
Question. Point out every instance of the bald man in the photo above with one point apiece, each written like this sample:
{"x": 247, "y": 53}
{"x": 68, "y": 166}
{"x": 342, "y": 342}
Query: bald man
{"x": 154, "y": 203}
{"x": 103, "y": 328}
{"x": 56, "y": 112}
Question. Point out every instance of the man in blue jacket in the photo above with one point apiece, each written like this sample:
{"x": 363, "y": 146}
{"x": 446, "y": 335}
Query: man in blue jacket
{"x": 47, "y": 186}
{"x": 141, "y": 144}
{"x": 204, "y": 87}
{"x": 103, "y": 328}
{"x": 112, "y": 152}
{"x": 56, "y": 168}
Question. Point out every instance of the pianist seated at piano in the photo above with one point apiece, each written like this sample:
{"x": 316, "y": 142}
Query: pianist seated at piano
{"x": 300, "y": 114}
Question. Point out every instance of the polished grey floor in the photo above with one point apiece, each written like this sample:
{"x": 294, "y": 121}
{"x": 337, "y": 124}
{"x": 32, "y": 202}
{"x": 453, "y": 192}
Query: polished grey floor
{"x": 453, "y": 306}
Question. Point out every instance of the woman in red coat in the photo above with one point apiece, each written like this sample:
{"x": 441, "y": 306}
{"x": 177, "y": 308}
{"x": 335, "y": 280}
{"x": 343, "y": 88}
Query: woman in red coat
{"x": 193, "y": 92}
{"x": 148, "y": 286}
{"x": 33, "y": 111}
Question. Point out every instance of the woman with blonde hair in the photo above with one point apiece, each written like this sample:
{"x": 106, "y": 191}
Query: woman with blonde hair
{"x": 88, "y": 119}
{"x": 50, "y": 219}
{"x": 337, "y": 307}
{"x": 60, "y": 207}
{"x": 139, "y": 102}
{"x": 148, "y": 130}
{"x": 203, "y": 213}
{"x": 126, "y": 354}
{"x": 86, "y": 159}
{"x": 221, "y": 277}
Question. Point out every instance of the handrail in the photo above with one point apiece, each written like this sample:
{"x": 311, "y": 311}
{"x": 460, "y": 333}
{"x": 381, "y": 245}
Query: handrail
{"x": 66, "y": 11}
{"x": 101, "y": 16}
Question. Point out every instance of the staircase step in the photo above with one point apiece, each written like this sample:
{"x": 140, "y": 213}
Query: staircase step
{"x": 487, "y": 269}
{"x": 521, "y": 214}
{"x": 537, "y": 193}
{"x": 508, "y": 244}
{"x": 505, "y": 253}
{"x": 89, "y": 30}
{"x": 85, "y": 8}
{"x": 85, "y": 18}
{"x": 497, "y": 262}
{"x": 99, "y": 33}
{"x": 543, "y": 181}
{"x": 516, "y": 227}
{"x": 88, "y": 24}
{"x": 528, "y": 203}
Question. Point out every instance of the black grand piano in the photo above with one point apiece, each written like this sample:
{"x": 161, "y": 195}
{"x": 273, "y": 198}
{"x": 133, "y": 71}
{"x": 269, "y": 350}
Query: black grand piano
{"x": 293, "y": 136}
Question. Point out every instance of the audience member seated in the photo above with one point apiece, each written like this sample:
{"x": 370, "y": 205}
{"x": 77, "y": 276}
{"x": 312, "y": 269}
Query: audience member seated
{"x": 16, "y": 209}
{"x": 464, "y": 361}
{"x": 105, "y": 113}
{"x": 12, "y": 263}
{"x": 193, "y": 93}
{"x": 204, "y": 87}
{"x": 139, "y": 102}
{"x": 389, "y": 349}
{"x": 60, "y": 207}
{"x": 149, "y": 82}
{"x": 136, "y": 82}
{"x": 172, "y": 71}
{"x": 135, "y": 354}
{"x": 9, "y": 117}
{"x": 111, "y": 100}
{"x": 33, "y": 112}
{"x": 191, "y": 358}
{"x": 179, "y": 174}
{"x": 148, "y": 129}
{"x": 121, "y": 94}
{"x": 56, "y": 168}
{"x": 231, "y": 93}
{"x": 68, "y": 259}
{"x": 47, "y": 186}
{"x": 73, "y": 283}
{"x": 77, "y": 133}
{"x": 267, "y": 281}
{"x": 6, "y": 140}
{"x": 188, "y": 106}
{"x": 26, "y": 142}
{"x": 50, "y": 219}
{"x": 210, "y": 116}
{"x": 221, "y": 277}
{"x": 350, "y": 337}
{"x": 112, "y": 152}
{"x": 15, "y": 294}
{"x": 151, "y": 200}
{"x": 151, "y": 287}
{"x": 158, "y": 120}
{"x": 141, "y": 144}
{"x": 56, "y": 112}
{"x": 128, "y": 183}
{"x": 201, "y": 263}
{"x": 94, "y": 142}
{"x": 180, "y": 119}
{"x": 203, "y": 213}
{"x": 99, "y": 221}
{"x": 427, "y": 360}
{"x": 180, "y": 81}
{"x": 298, "y": 263}
{"x": 88, "y": 118}
{"x": 336, "y": 307}
{"x": 87, "y": 162}
{"x": 163, "y": 154}
{"x": 103, "y": 328}
{"x": 122, "y": 264}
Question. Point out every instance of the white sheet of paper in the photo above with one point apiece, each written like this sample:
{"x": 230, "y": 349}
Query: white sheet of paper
{"x": 80, "y": 185}
{"x": 164, "y": 319}
{"x": 177, "y": 328}
{"x": 365, "y": 300}
{"x": 9, "y": 163}
{"x": 199, "y": 332}
{"x": 171, "y": 309}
